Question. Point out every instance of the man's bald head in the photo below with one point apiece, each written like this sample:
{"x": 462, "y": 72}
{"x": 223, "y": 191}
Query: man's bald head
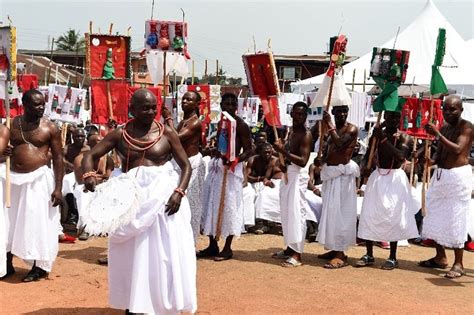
{"x": 141, "y": 96}
{"x": 454, "y": 100}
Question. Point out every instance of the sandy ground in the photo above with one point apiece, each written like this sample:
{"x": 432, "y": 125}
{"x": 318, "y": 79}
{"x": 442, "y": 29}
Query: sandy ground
{"x": 254, "y": 283}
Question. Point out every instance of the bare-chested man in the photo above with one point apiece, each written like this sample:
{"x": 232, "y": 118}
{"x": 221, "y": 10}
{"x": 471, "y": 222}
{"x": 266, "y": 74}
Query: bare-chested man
{"x": 388, "y": 208}
{"x": 159, "y": 240}
{"x": 264, "y": 172}
{"x": 4, "y": 138}
{"x": 233, "y": 215}
{"x": 449, "y": 194}
{"x": 293, "y": 205}
{"x": 189, "y": 133}
{"x": 33, "y": 217}
{"x": 70, "y": 152}
{"x": 337, "y": 229}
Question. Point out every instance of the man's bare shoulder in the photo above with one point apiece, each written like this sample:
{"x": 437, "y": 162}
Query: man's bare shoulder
{"x": 51, "y": 126}
{"x": 352, "y": 128}
{"x": 466, "y": 124}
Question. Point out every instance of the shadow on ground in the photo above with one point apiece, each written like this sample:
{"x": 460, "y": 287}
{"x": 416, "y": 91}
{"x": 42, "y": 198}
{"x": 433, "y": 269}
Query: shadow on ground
{"x": 76, "y": 310}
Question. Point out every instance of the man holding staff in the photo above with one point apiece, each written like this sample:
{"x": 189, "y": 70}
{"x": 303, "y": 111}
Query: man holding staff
{"x": 33, "y": 217}
{"x": 293, "y": 204}
{"x": 337, "y": 229}
{"x": 388, "y": 209}
{"x": 4, "y": 138}
{"x": 449, "y": 194}
{"x": 232, "y": 209}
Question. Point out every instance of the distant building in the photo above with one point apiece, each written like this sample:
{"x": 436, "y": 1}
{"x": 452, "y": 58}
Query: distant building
{"x": 291, "y": 68}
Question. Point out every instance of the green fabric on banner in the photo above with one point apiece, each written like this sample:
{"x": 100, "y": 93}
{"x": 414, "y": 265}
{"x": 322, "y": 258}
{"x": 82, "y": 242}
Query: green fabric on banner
{"x": 388, "y": 98}
{"x": 437, "y": 85}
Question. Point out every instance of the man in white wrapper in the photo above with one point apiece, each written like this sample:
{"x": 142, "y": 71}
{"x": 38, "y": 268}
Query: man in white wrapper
{"x": 232, "y": 210}
{"x": 32, "y": 220}
{"x": 265, "y": 174}
{"x": 337, "y": 229}
{"x": 189, "y": 133}
{"x": 389, "y": 207}
{"x": 293, "y": 204}
{"x": 4, "y": 138}
{"x": 152, "y": 263}
{"x": 449, "y": 194}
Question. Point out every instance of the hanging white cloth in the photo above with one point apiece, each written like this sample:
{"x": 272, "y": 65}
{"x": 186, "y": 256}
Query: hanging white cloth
{"x": 337, "y": 229}
{"x": 174, "y": 62}
{"x": 315, "y": 206}
{"x": 249, "y": 195}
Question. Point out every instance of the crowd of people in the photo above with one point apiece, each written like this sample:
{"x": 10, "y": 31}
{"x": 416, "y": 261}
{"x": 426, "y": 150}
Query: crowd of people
{"x": 170, "y": 189}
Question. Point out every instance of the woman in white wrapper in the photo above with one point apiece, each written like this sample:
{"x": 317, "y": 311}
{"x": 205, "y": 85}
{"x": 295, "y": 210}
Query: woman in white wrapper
{"x": 388, "y": 208}
{"x": 152, "y": 264}
{"x": 449, "y": 194}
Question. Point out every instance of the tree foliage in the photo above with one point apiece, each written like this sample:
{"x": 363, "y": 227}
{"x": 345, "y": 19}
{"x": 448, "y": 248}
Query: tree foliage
{"x": 71, "y": 41}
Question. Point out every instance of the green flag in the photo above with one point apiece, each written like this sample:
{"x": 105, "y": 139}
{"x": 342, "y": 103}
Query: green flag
{"x": 437, "y": 85}
{"x": 388, "y": 99}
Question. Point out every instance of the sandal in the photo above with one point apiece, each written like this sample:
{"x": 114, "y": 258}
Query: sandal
{"x": 280, "y": 255}
{"x": 390, "y": 264}
{"x": 291, "y": 263}
{"x": 222, "y": 257}
{"x": 208, "y": 252}
{"x": 431, "y": 263}
{"x": 365, "y": 261}
{"x": 455, "y": 272}
{"x": 336, "y": 263}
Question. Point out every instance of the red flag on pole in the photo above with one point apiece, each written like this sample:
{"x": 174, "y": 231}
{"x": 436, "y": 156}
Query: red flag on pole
{"x": 271, "y": 111}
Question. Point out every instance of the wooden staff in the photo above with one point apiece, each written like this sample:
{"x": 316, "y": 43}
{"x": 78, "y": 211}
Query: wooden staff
{"x": 323, "y": 128}
{"x": 277, "y": 138}
{"x": 412, "y": 166}
{"x": 110, "y": 28}
{"x": 353, "y": 79}
{"x": 64, "y": 134}
{"x": 109, "y": 100}
{"x": 372, "y": 146}
{"x": 217, "y": 72}
{"x": 192, "y": 73}
{"x": 164, "y": 78}
{"x": 220, "y": 212}
{"x": 8, "y": 159}
{"x": 427, "y": 168}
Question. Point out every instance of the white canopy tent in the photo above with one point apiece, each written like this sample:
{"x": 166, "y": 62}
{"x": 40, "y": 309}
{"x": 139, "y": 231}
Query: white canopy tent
{"x": 420, "y": 39}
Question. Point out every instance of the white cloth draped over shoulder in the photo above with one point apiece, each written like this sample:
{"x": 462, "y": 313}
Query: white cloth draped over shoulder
{"x": 447, "y": 205}
{"x": 389, "y": 207}
{"x": 337, "y": 229}
{"x": 31, "y": 221}
{"x": 232, "y": 223}
{"x": 267, "y": 203}
{"x": 152, "y": 262}
{"x": 294, "y": 207}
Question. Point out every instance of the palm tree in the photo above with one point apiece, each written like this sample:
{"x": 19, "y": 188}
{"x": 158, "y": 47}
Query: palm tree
{"x": 71, "y": 41}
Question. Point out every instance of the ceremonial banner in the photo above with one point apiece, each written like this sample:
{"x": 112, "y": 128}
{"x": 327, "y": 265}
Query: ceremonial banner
{"x": 437, "y": 85}
{"x": 333, "y": 84}
{"x": 248, "y": 109}
{"x": 27, "y": 82}
{"x": 210, "y": 106}
{"x": 169, "y": 36}
{"x": 271, "y": 110}
{"x": 227, "y": 129}
{"x": 64, "y": 103}
{"x": 261, "y": 74}
{"x": 99, "y": 102}
{"x": 388, "y": 69}
{"x": 108, "y": 57}
{"x": 415, "y": 116}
